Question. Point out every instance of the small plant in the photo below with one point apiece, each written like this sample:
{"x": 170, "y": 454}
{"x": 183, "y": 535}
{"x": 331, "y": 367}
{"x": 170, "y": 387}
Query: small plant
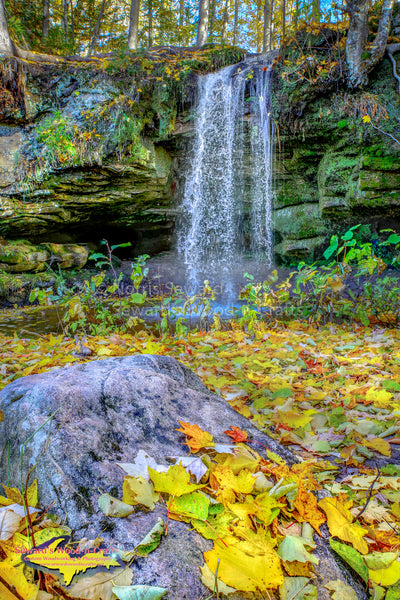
{"x": 57, "y": 133}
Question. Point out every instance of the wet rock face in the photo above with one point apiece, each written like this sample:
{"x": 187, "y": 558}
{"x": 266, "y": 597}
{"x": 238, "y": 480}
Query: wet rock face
{"x": 77, "y": 159}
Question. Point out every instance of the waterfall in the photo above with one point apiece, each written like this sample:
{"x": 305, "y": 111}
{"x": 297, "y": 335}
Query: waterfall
{"x": 227, "y": 202}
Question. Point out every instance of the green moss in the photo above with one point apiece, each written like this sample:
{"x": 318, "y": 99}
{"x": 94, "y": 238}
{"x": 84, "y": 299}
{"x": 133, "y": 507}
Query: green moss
{"x": 381, "y": 163}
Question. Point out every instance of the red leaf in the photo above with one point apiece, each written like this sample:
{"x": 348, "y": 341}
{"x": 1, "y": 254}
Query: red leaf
{"x": 237, "y": 434}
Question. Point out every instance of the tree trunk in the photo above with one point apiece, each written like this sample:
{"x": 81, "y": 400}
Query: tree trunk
{"x": 356, "y": 41}
{"x": 235, "y": 22}
{"x": 212, "y": 18}
{"x": 72, "y": 26}
{"x": 259, "y": 30}
{"x": 283, "y": 15}
{"x": 267, "y": 42}
{"x": 316, "y": 11}
{"x": 379, "y": 45}
{"x": 133, "y": 25}
{"x": 204, "y": 7}
{"x": 6, "y": 46}
{"x": 65, "y": 19}
{"x": 181, "y": 19}
{"x": 225, "y": 22}
{"x": 150, "y": 24}
{"x": 46, "y": 19}
{"x": 97, "y": 27}
{"x": 359, "y": 61}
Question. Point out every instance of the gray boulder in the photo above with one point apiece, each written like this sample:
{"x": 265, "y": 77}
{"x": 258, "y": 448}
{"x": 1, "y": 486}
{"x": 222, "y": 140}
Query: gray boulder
{"x": 103, "y": 412}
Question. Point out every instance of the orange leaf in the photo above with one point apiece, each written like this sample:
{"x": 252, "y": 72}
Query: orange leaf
{"x": 196, "y": 437}
{"x": 306, "y": 506}
{"x": 238, "y": 435}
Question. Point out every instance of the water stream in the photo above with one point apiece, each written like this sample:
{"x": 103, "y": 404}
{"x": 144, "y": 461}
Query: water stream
{"x": 228, "y": 195}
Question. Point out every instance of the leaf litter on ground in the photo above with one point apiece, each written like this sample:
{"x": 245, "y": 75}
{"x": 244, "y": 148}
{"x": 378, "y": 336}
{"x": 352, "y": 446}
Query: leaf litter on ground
{"x": 331, "y": 393}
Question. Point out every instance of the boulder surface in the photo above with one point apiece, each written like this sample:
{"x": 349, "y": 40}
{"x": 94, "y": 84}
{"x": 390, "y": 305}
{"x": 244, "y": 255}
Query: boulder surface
{"x": 86, "y": 418}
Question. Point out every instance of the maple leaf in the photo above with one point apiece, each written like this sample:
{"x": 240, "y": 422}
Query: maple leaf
{"x": 196, "y": 437}
{"x": 226, "y": 483}
{"x": 238, "y": 435}
{"x": 176, "y": 481}
{"x": 340, "y": 523}
{"x": 307, "y": 507}
{"x": 264, "y": 507}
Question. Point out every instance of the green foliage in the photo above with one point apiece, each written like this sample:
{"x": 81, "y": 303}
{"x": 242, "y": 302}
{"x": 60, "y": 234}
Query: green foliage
{"x": 323, "y": 292}
{"x": 57, "y": 134}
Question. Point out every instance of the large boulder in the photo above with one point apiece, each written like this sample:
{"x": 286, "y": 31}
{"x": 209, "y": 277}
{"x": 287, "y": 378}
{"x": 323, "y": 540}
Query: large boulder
{"x": 103, "y": 412}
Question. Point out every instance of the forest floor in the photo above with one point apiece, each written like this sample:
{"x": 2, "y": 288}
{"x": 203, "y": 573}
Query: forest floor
{"x": 329, "y": 392}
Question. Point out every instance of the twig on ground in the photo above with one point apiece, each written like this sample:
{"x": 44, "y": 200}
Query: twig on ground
{"x": 369, "y": 495}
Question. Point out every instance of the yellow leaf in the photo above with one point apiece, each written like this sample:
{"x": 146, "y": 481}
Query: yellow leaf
{"x": 226, "y": 483}
{"x": 14, "y": 495}
{"x": 340, "y": 523}
{"x": 32, "y": 494}
{"x": 245, "y": 566}
{"x": 341, "y": 591}
{"x": 264, "y": 507}
{"x": 366, "y": 119}
{"x": 104, "y": 351}
{"x": 176, "y": 481}
{"x": 296, "y": 419}
{"x": 387, "y": 576}
{"x": 137, "y": 490}
{"x": 379, "y": 398}
{"x": 15, "y": 579}
{"x": 379, "y": 444}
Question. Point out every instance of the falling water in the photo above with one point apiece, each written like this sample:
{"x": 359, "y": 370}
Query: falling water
{"x": 227, "y": 201}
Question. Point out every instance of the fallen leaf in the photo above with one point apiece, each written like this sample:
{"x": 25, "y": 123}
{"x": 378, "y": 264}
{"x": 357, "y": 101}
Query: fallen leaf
{"x": 237, "y": 434}
{"x": 244, "y": 566}
{"x": 152, "y": 540}
{"x": 340, "y": 523}
{"x": 138, "y": 490}
{"x": 139, "y": 592}
{"x": 176, "y": 481}
{"x": 341, "y": 591}
{"x": 196, "y": 437}
{"x": 112, "y": 507}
